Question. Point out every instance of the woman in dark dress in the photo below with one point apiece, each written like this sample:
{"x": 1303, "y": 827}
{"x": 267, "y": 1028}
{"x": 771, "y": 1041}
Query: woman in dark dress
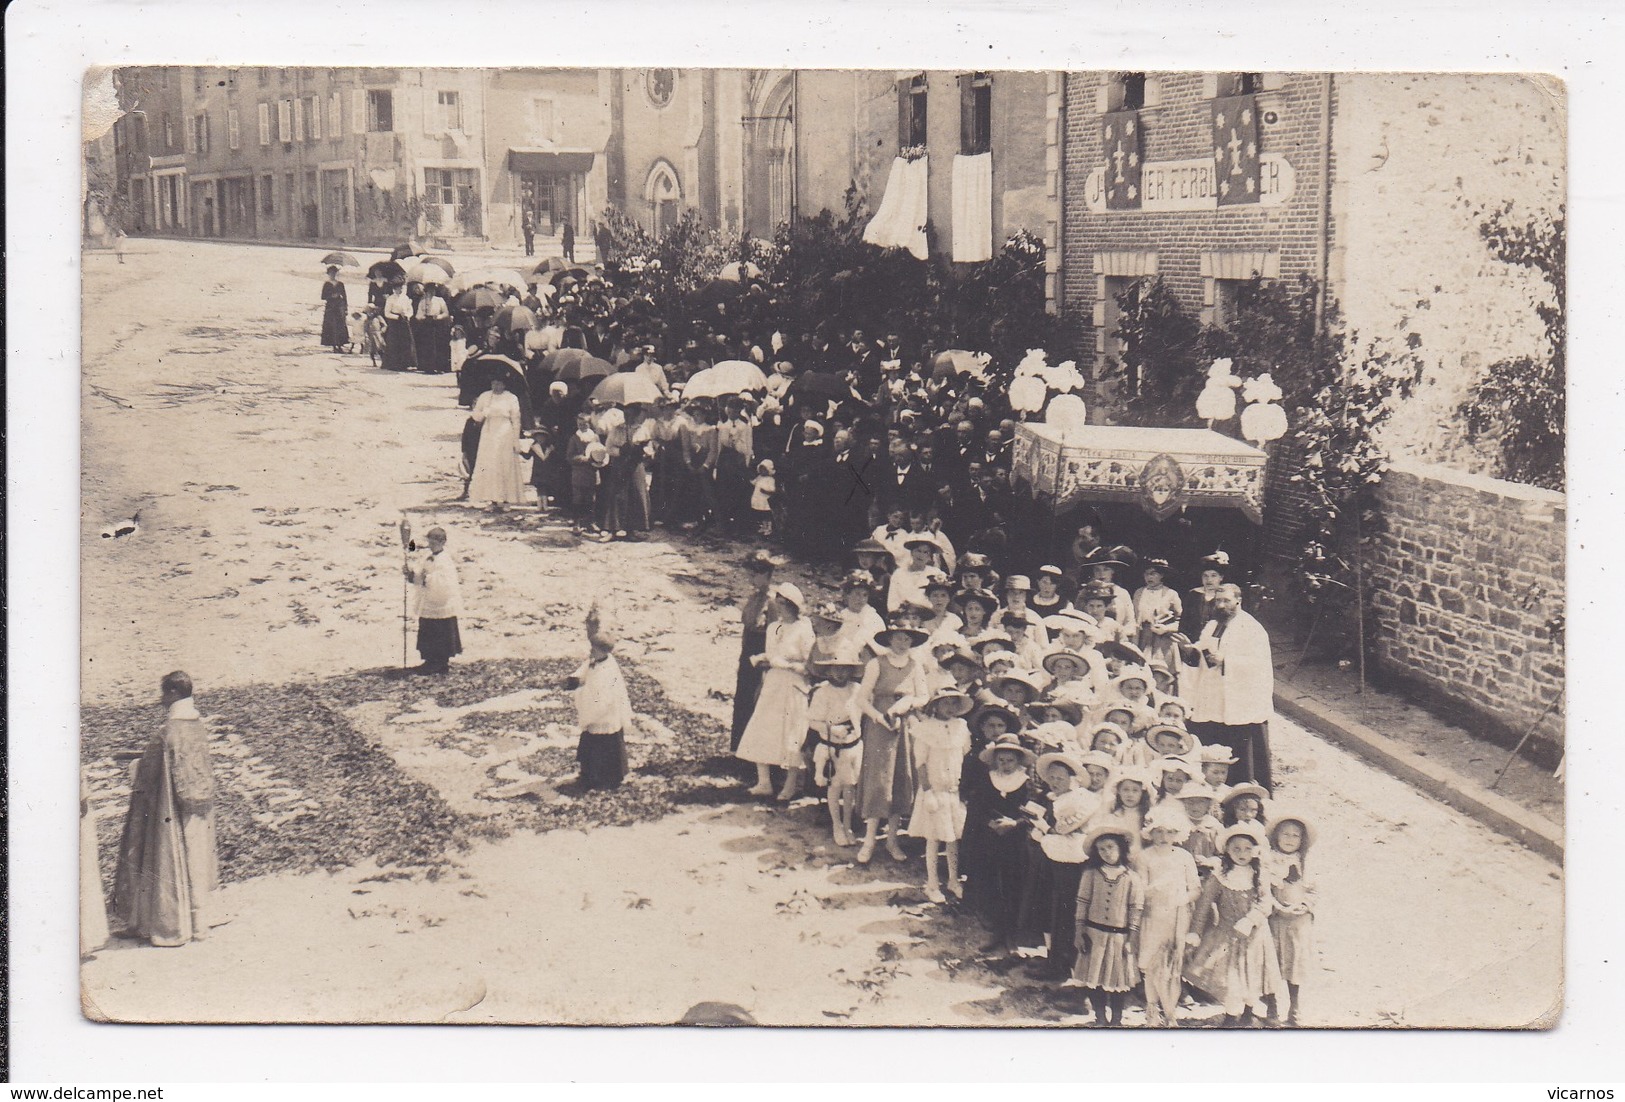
{"x": 753, "y": 641}
{"x": 400, "y": 350}
{"x": 335, "y": 327}
{"x": 433, "y": 331}
{"x": 997, "y": 820}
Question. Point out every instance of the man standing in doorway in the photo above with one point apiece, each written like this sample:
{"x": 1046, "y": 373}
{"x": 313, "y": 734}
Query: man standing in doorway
{"x": 1232, "y": 686}
{"x": 569, "y": 242}
{"x": 528, "y": 225}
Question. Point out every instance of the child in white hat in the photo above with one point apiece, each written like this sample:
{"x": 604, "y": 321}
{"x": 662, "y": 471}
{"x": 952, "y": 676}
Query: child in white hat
{"x": 1292, "y": 922}
{"x": 940, "y": 741}
{"x": 1234, "y": 958}
{"x": 834, "y": 717}
{"x": 1171, "y": 888}
{"x": 762, "y": 489}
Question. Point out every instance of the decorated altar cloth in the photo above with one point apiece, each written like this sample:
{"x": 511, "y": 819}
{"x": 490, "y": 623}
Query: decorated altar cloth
{"x": 1161, "y": 470}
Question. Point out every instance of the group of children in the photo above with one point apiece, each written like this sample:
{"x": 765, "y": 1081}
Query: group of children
{"x": 1044, "y": 759}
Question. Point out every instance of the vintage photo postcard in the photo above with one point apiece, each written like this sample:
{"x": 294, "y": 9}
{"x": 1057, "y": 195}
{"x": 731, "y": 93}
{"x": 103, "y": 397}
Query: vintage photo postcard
{"x": 823, "y": 547}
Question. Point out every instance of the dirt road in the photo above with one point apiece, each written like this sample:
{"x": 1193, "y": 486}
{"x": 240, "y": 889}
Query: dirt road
{"x": 267, "y": 476}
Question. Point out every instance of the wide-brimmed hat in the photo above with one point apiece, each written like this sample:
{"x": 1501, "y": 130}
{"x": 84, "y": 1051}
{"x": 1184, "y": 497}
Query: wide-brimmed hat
{"x": 1011, "y": 720}
{"x": 1217, "y": 753}
{"x": 1008, "y": 741}
{"x": 1019, "y": 582}
{"x": 883, "y": 636}
{"x": 989, "y": 603}
{"x": 1070, "y": 619}
{"x": 976, "y": 561}
{"x": 1132, "y": 673}
{"x": 763, "y": 561}
{"x": 1243, "y": 830}
{"x": 1187, "y": 741}
{"x": 870, "y": 546}
{"x": 1247, "y": 788}
{"x": 789, "y": 591}
{"x": 1070, "y": 710}
{"x": 950, "y": 639}
{"x": 1021, "y": 677}
{"x": 921, "y": 541}
{"x": 847, "y": 661}
{"x": 1060, "y": 757}
{"x": 1127, "y": 653}
{"x": 939, "y": 581}
{"x": 1056, "y": 657}
{"x": 961, "y": 654}
{"x": 1020, "y": 616}
{"x": 1108, "y": 829}
{"x": 829, "y": 612}
{"x": 1097, "y": 757}
{"x": 1132, "y": 773}
{"x": 998, "y": 654}
{"x": 1098, "y": 591}
{"x": 962, "y": 704}
{"x": 857, "y": 579}
{"x": 1174, "y": 763}
{"x": 1120, "y": 556}
{"x": 1281, "y": 815}
{"x": 1165, "y": 816}
{"x": 1049, "y": 571}
{"x": 987, "y": 639}
{"x": 1198, "y": 791}
{"x": 1103, "y": 725}
{"x": 1218, "y": 560}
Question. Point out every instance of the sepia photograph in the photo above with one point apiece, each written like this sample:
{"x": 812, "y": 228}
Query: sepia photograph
{"x": 820, "y": 547}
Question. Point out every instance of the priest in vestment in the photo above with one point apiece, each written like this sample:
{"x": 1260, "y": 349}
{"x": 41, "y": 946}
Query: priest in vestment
{"x": 168, "y": 875}
{"x": 1232, "y": 686}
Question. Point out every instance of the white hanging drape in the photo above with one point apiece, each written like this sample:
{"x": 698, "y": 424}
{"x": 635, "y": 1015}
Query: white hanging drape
{"x": 973, "y": 207}
{"x": 900, "y": 221}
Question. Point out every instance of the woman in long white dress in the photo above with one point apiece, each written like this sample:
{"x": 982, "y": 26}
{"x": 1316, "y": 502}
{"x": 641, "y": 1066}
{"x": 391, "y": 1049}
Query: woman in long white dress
{"x": 777, "y": 729}
{"x": 497, "y": 463}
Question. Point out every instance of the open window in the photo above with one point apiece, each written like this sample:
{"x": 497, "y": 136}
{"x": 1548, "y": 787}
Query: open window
{"x": 911, "y": 118}
{"x": 975, "y": 113}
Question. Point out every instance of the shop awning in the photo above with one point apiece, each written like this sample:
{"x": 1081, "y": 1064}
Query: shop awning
{"x": 558, "y": 162}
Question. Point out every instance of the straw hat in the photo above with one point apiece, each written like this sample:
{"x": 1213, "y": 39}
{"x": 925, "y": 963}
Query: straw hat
{"x": 1019, "y": 582}
{"x": 961, "y": 654}
{"x": 989, "y": 603}
{"x": 1107, "y": 830}
{"x": 1060, "y": 757}
{"x": 1217, "y": 753}
{"x": 829, "y": 612}
{"x": 1172, "y": 763}
{"x": 1188, "y": 743}
{"x": 1070, "y": 710}
{"x": 1132, "y": 773}
{"x": 1095, "y": 729}
{"x": 1199, "y": 791}
{"x": 1097, "y": 757}
{"x": 1054, "y": 734}
{"x": 847, "y": 661}
{"x": 961, "y": 703}
{"x": 982, "y": 642}
{"x": 883, "y": 636}
{"x": 1070, "y": 619}
{"x": 871, "y": 546}
{"x": 1008, "y": 741}
{"x": 1243, "y": 830}
{"x": 1247, "y": 788}
{"x": 1021, "y": 677}
{"x": 1012, "y": 721}
{"x": 1285, "y": 815}
{"x": 1056, "y": 657}
{"x": 857, "y": 579}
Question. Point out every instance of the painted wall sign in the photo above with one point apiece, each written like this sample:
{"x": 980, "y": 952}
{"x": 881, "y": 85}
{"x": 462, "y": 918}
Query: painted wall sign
{"x": 1188, "y": 185}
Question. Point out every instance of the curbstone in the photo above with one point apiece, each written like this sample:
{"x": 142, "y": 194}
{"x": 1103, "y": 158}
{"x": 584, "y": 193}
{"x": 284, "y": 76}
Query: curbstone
{"x": 1443, "y": 784}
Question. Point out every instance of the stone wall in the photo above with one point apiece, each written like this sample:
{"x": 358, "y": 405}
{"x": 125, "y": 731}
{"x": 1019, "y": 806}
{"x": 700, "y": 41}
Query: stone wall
{"x": 1463, "y": 583}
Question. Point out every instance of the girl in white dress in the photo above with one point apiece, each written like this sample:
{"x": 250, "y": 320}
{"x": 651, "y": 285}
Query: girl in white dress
{"x": 497, "y": 464}
{"x": 1292, "y": 921}
{"x": 778, "y": 726}
{"x": 940, "y": 742}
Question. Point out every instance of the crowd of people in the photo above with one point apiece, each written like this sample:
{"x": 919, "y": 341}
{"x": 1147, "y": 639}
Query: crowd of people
{"x": 1088, "y": 767}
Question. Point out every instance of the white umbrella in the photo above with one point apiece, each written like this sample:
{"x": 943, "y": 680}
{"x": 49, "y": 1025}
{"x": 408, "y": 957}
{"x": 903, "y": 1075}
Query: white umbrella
{"x": 727, "y": 377}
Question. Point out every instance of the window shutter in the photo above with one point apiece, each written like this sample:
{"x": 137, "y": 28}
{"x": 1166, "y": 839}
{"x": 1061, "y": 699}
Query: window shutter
{"x": 299, "y": 119}
{"x": 191, "y": 136}
{"x": 358, "y": 111}
{"x": 234, "y": 134}
{"x": 967, "y": 113}
{"x": 265, "y": 124}
{"x": 335, "y": 115}
{"x": 284, "y": 120}
{"x": 315, "y": 118}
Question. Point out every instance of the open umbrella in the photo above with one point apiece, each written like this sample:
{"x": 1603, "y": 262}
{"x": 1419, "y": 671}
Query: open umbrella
{"x": 739, "y": 270}
{"x": 626, "y": 388}
{"x": 404, "y": 250}
{"x": 717, "y": 291}
{"x": 343, "y": 260}
{"x": 480, "y": 298}
{"x": 588, "y": 367}
{"x": 476, "y": 375}
{"x": 510, "y": 318}
{"x": 420, "y": 270}
{"x": 501, "y": 277}
{"x": 727, "y": 377}
{"x": 386, "y": 270}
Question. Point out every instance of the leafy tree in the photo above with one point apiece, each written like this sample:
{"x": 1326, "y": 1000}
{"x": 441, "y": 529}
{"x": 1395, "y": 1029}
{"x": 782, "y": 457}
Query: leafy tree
{"x": 1520, "y": 403}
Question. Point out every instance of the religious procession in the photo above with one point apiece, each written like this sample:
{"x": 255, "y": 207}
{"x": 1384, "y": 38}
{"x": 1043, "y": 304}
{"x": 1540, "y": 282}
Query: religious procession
{"x": 953, "y": 606}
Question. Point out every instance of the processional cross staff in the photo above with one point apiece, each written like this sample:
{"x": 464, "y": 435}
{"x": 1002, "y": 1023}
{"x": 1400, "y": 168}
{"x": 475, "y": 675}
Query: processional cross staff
{"x": 406, "y": 584}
